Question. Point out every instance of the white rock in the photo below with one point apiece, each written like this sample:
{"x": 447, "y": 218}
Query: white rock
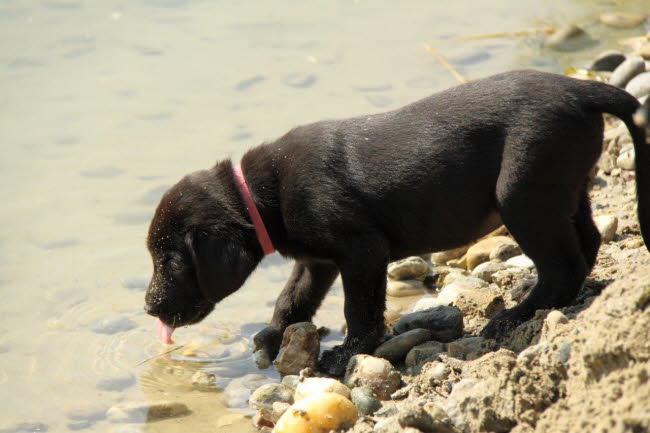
{"x": 625, "y": 160}
{"x": 607, "y": 225}
{"x": 408, "y": 269}
{"x": 264, "y": 396}
{"x": 375, "y": 373}
{"x": 239, "y": 390}
{"x": 317, "y": 385}
{"x": 521, "y": 261}
{"x": 427, "y": 302}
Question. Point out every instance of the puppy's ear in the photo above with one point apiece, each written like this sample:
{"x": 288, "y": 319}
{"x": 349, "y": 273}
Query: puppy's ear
{"x": 222, "y": 264}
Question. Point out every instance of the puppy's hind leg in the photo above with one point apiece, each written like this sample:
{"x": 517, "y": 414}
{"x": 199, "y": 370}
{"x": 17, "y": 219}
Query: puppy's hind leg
{"x": 587, "y": 230}
{"x": 298, "y": 301}
{"x": 546, "y": 233}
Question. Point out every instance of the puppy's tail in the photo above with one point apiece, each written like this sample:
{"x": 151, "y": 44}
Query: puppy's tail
{"x": 612, "y": 100}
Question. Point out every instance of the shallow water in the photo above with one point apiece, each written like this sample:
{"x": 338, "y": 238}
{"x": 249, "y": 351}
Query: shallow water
{"x": 106, "y": 104}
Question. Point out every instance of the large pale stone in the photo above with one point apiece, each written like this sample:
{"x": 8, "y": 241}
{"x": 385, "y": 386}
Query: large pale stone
{"x": 480, "y": 251}
{"x": 375, "y": 373}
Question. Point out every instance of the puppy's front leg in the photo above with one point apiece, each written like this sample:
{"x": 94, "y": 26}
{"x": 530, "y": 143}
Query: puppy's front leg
{"x": 298, "y": 301}
{"x": 364, "y": 285}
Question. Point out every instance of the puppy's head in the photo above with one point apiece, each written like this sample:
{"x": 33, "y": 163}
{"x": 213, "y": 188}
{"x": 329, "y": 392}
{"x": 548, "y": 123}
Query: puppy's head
{"x": 201, "y": 247}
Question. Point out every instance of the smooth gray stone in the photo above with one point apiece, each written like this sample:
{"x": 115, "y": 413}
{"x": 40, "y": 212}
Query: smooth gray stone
{"x": 607, "y": 61}
{"x": 639, "y": 86}
{"x": 117, "y": 383}
{"x": 569, "y": 38}
{"x": 396, "y": 348}
{"x": 630, "y": 68}
{"x": 365, "y": 401}
{"x": 444, "y": 322}
{"x": 112, "y": 325}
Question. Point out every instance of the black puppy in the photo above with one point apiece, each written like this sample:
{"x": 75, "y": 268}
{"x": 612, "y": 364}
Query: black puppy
{"x": 349, "y": 196}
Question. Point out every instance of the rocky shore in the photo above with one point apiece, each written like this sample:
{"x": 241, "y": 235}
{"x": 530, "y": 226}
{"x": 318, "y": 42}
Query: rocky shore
{"x": 582, "y": 368}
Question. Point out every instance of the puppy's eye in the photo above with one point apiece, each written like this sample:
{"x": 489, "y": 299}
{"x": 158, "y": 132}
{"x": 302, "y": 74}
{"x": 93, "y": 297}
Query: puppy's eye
{"x": 175, "y": 265}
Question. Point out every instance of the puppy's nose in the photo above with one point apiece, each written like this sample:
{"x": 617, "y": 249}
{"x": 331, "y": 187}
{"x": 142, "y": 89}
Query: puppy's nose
{"x": 152, "y": 310}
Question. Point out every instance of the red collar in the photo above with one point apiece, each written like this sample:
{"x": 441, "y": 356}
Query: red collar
{"x": 260, "y": 229}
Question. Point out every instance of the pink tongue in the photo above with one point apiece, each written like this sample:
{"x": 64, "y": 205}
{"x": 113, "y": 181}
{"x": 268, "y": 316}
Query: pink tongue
{"x": 164, "y": 332}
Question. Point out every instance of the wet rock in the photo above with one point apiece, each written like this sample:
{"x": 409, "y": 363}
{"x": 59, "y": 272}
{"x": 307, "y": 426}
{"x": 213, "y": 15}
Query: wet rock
{"x": 22, "y": 427}
{"x": 299, "y": 349}
{"x": 291, "y": 381}
{"x": 300, "y": 81}
{"x": 85, "y": 411}
{"x": 480, "y": 251}
{"x": 116, "y": 383}
{"x": 315, "y": 385}
{"x": 262, "y": 359}
{"x": 136, "y": 283}
{"x": 208, "y": 382}
{"x": 146, "y": 411}
{"x": 622, "y": 20}
{"x": 443, "y": 257}
{"x": 630, "y": 68}
{"x": 411, "y": 268}
{"x": 469, "y": 348}
{"x": 240, "y": 389}
{"x": 639, "y": 86}
{"x": 396, "y": 348}
{"x": 607, "y": 61}
{"x": 365, "y": 401}
{"x": 424, "y": 353}
{"x": 445, "y": 323}
{"x": 568, "y": 38}
{"x": 505, "y": 251}
{"x": 485, "y": 270}
{"x": 264, "y": 396}
{"x": 404, "y": 288}
{"x": 375, "y": 373}
{"x": 520, "y": 261}
{"x": 112, "y": 325}
{"x": 607, "y": 225}
{"x": 484, "y": 303}
{"x": 318, "y": 413}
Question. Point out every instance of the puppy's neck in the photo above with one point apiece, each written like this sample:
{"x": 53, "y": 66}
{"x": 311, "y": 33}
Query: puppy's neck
{"x": 261, "y": 172}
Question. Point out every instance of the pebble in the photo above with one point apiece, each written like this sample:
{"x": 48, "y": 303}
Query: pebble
{"x": 365, "y": 401}
{"x": 485, "y": 270}
{"x": 505, "y": 251}
{"x": 318, "y": 413}
{"x": 375, "y": 373}
{"x": 206, "y": 381}
{"x": 449, "y": 293}
{"x": 427, "y": 417}
{"x": 607, "y": 61}
{"x": 112, "y": 325}
{"x": 480, "y": 251}
{"x": 438, "y": 372}
{"x": 116, "y": 383}
{"x": 85, "y": 411}
{"x": 264, "y": 396}
{"x": 639, "y": 86}
{"x": 630, "y": 68}
{"x": 445, "y": 323}
{"x": 443, "y": 257}
{"x": 453, "y": 275}
{"x": 607, "y": 225}
{"x": 520, "y": 261}
{"x": 401, "y": 289}
{"x": 484, "y": 303}
{"x": 396, "y": 348}
{"x": 644, "y": 51}
{"x": 568, "y": 38}
{"x": 291, "y": 381}
{"x": 146, "y": 411}
{"x": 262, "y": 359}
{"x": 299, "y": 349}
{"x": 315, "y": 385}
{"x": 136, "y": 283}
{"x": 411, "y": 268}
{"x": 300, "y": 81}
{"x": 622, "y": 20}
{"x": 239, "y": 390}
{"x": 22, "y": 427}
{"x": 470, "y": 348}
{"x": 424, "y": 352}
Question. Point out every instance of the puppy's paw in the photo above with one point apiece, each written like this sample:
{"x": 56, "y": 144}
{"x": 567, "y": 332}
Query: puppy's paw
{"x": 335, "y": 361}
{"x": 504, "y": 323}
{"x": 268, "y": 339}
